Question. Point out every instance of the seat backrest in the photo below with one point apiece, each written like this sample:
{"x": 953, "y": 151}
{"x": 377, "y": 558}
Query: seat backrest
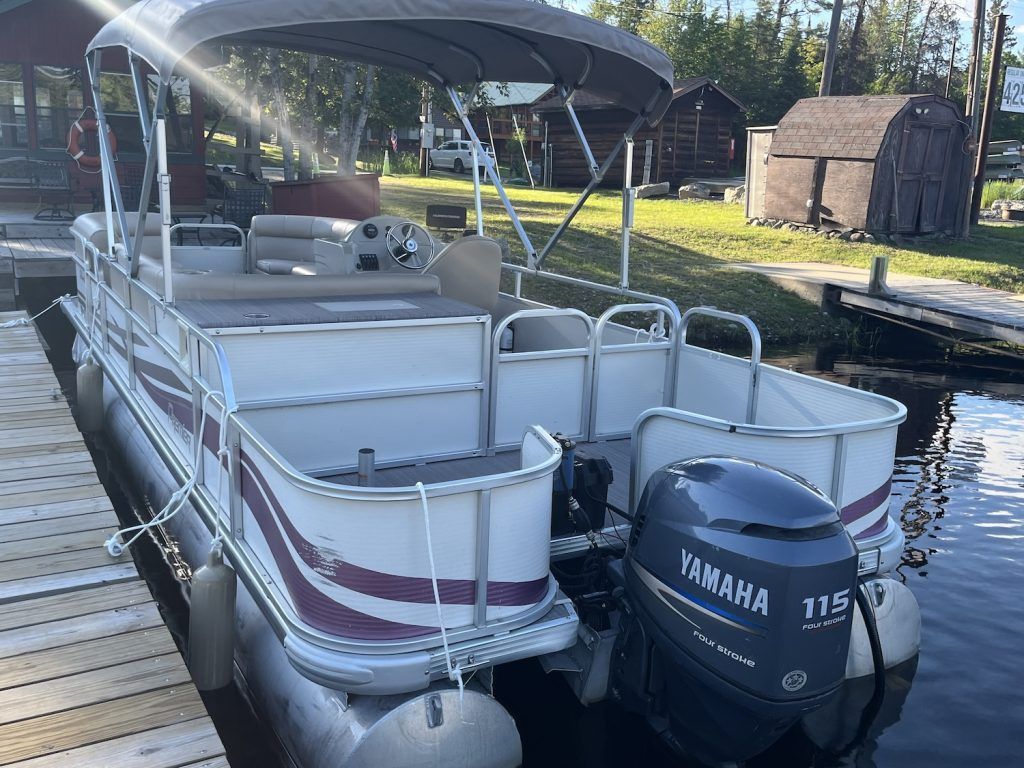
{"x": 277, "y": 236}
{"x": 470, "y": 271}
{"x": 93, "y": 228}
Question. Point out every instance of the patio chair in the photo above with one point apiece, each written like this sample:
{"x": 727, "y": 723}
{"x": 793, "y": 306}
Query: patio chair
{"x": 53, "y": 184}
{"x": 240, "y": 205}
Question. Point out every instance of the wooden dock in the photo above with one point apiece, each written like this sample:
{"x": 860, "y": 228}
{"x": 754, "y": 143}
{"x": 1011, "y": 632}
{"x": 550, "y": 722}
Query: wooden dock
{"x": 28, "y": 258}
{"x": 959, "y": 311}
{"x": 89, "y": 674}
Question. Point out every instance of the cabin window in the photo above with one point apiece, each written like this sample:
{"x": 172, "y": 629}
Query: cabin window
{"x": 58, "y": 103}
{"x": 13, "y": 119}
{"x": 123, "y": 113}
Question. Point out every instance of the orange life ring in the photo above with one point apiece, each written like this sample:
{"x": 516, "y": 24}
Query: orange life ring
{"x": 75, "y": 133}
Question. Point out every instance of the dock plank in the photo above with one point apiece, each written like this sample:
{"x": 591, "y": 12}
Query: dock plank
{"x": 42, "y": 610}
{"x": 173, "y": 746}
{"x": 48, "y": 545}
{"x": 98, "y": 722}
{"x": 32, "y": 637}
{"x": 92, "y": 687}
{"x": 69, "y": 581}
{"x": 40, "y": 666}
{"x": 89, "y": 675}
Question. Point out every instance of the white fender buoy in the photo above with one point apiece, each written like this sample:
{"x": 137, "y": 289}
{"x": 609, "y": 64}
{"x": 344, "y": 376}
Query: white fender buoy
{"x": 89, "y": 378}
{"x": 211, "y": 625}
{"x": 898, "y": 618}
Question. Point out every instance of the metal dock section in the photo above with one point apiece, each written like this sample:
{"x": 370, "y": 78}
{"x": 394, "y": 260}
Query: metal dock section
{"x": 89, "y": 674}
{"x": 957, "y": 311}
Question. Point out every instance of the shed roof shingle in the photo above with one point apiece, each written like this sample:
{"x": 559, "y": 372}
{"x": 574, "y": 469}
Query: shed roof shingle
{"x": 838, "y": 126}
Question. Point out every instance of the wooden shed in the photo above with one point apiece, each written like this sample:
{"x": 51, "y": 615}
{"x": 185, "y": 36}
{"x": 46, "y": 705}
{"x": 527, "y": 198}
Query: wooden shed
{"x": 887, "y": 164}
{"x": 693, "y": 139}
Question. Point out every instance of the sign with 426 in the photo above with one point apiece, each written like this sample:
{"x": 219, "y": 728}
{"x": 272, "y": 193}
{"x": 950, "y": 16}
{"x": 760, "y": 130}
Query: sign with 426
{"x": 1013, "y": 90}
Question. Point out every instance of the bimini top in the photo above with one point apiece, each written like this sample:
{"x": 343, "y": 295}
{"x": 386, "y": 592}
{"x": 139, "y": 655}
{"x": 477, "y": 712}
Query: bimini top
{"x": 451, "y": 42}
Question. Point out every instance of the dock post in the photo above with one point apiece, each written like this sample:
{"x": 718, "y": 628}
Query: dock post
{"x": 876, "y": 280}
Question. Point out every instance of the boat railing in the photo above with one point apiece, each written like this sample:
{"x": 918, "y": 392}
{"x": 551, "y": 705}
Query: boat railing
{"x": 631, "y": 374}
{"x": 755, "y": 348}
{"x": 547, "y": 384}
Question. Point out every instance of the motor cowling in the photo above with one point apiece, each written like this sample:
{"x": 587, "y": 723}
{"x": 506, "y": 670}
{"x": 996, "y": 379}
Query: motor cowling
{"x": 741, "y": 578}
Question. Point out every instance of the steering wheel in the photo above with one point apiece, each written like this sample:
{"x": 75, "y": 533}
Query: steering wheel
{"x": 410, "y": 245}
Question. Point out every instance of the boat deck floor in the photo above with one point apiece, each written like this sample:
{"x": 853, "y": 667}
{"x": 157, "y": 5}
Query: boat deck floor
{"x": 616, "y": 451}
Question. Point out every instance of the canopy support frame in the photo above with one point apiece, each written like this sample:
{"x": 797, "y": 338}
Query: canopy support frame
{"x": 93, "y": 62}
{"x": 461, "y": 110}
{"x": 589, "y": 189}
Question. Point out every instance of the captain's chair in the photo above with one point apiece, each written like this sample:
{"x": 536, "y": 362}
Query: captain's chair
{"x": 278, "y": 243}
{"x": 469, "y": 270}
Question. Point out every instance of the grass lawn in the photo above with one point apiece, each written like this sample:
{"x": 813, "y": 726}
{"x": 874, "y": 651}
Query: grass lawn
{"x": 682, "y": 250}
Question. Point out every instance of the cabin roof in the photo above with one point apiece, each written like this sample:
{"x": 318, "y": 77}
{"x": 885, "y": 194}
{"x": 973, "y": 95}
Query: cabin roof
{"x": 449, "y": 42}
{"x": 839, "y": 126}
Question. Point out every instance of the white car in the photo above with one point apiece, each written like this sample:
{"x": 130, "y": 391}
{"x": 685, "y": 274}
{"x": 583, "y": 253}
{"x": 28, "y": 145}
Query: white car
{"x": 457, "y": 156}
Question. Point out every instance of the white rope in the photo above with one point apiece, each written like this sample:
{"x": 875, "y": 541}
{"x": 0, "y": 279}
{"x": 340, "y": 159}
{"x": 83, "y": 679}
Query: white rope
{"x": 454, "y": 672}
{"x": 222, "y": 452}
{"x": 116, "y": 546}
{"x": 29, "y": 320}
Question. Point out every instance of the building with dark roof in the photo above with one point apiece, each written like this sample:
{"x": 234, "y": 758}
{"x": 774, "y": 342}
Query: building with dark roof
{"x": 888, "y": 164}
{"x": 693, "y": 139}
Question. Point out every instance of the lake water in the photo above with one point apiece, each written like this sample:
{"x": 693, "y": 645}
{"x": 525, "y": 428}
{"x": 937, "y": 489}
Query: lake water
{"x": 958, "y": 490}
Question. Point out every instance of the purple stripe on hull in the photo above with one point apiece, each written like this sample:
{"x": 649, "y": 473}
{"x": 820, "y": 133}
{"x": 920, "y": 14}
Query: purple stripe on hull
{"x": 857, "y": 509}
{"x": 313, "y": 606}
{"x": 408, "y": 589}
{"x": 177, "y": 406}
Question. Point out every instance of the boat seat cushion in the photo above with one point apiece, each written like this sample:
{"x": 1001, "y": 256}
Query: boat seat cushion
{"x": 277, "y": 266}
{"x": 277, "y": 237}
{"x": 191, "y": 285}
{"x": 92, "y": 227}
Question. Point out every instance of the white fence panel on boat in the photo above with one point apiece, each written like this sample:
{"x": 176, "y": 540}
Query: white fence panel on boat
{"x": 546, "y": 390}
{"x": 713, "y": 384}
{"x": 789, "y": 399}
{"x": 355, "y": 359}
{"x": 328, "y": 436}
{"x": 666, "y": 436}
{"x": 628, "y": 379}
{"x": 546, "y": 380}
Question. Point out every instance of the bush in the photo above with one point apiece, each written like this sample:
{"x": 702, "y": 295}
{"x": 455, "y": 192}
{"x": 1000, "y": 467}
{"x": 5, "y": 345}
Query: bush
{"x": 1001, "y": 190}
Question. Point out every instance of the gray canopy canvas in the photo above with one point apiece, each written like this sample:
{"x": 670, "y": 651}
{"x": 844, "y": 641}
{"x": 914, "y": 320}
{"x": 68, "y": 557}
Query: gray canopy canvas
{"x": 450, "y": 42}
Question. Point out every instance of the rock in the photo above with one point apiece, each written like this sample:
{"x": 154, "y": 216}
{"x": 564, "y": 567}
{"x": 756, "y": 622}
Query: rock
{"x": 844, "y": 235}
{"x": 793, "y": 227}
{"x": 868, "y": 237}
{"x": 778, "y": 224}
{"x": 857, "y": 237}
{"x": 695, "y": 191}
{"x": 735, "y": 194}
{"x": 652, "y": 190}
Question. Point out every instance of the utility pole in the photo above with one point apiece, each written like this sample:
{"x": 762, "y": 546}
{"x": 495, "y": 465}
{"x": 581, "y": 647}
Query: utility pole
{"x": 424, "y": 120}
{"x": 830, "y": 48}
{"x": 991, "y": 94}
{"x": 974, "y": 66}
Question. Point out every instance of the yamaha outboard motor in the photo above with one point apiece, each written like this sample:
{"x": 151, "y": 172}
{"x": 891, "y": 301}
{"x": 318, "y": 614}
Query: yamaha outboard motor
{"x": 739, "y": 590}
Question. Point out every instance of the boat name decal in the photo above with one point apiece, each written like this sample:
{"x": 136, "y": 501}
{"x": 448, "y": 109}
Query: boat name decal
{"x": 725, "y": 585}
{"x": 183, "y": 433}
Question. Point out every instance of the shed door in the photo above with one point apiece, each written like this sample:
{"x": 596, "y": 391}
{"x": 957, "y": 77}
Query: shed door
{"x": 923, "y": 166}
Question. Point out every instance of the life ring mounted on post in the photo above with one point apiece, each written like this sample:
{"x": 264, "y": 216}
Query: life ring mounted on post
{"x": 79, "y": 128}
